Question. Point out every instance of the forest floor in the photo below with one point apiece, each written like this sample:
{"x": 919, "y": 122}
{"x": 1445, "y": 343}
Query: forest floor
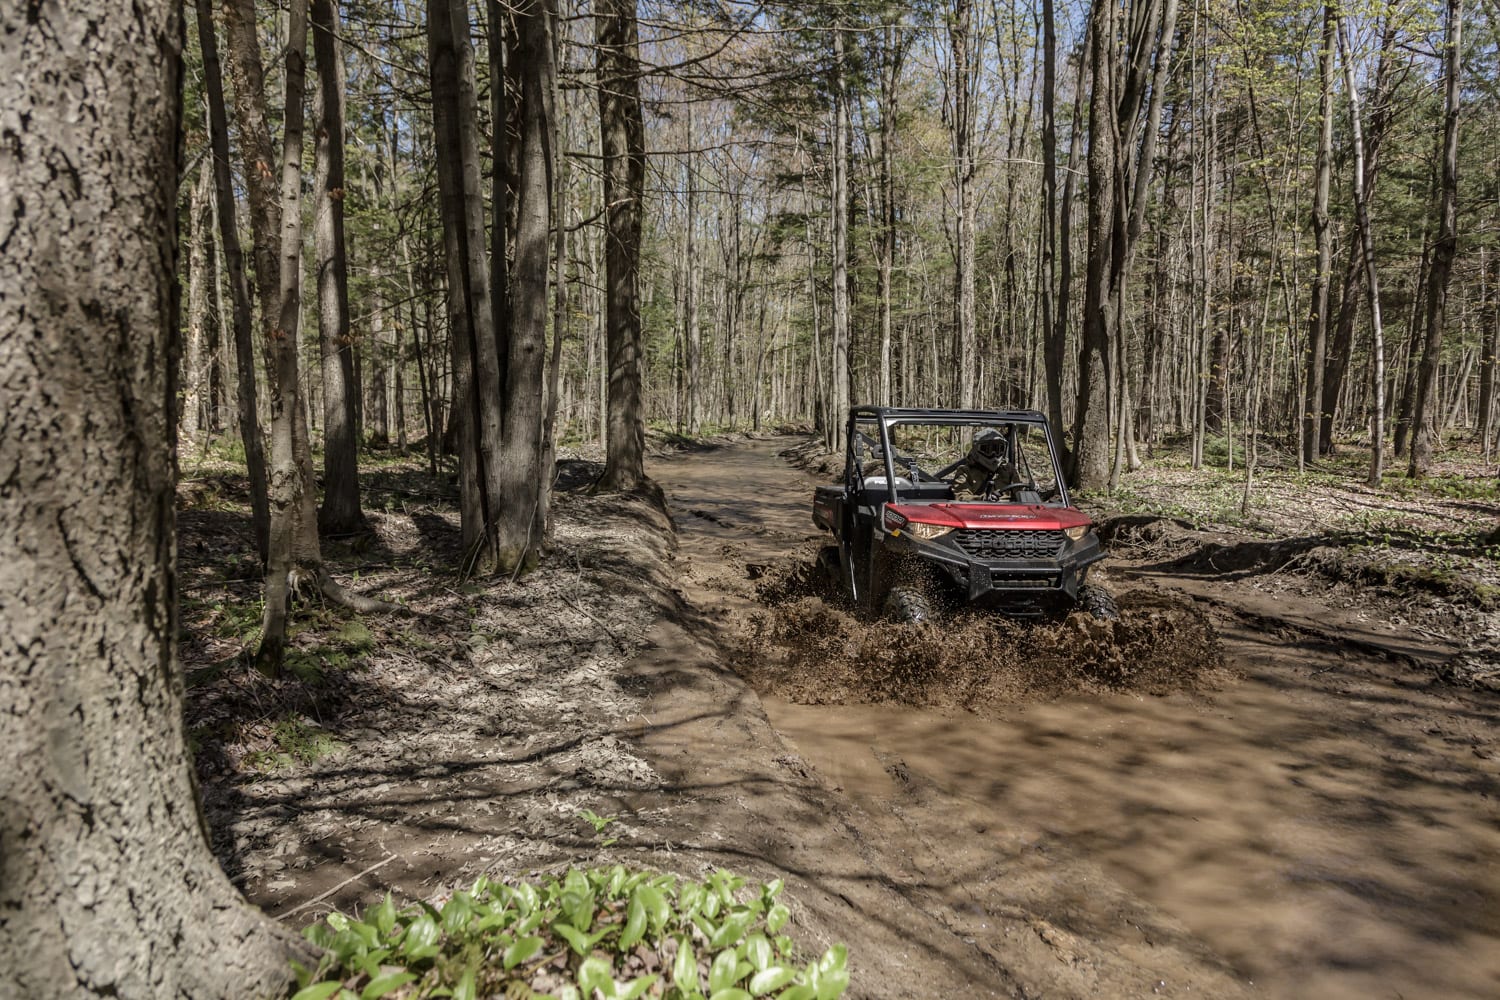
{"x": 1277, "y": 777}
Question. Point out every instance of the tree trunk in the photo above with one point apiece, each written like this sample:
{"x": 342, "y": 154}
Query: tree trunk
{"x": 1372, "y": 279}
{"x": 523, "y": 520}
{"x": 623, "y": 143}
{"x": 192, "y": 417}
{"x": 476, "y": 413}
{"x": 1405, "y": 402}
{"x": 378, "y": 361}
{"x": 110, "y": 888}
{"x": 1317, "y": 323}
{"x": 890, "y": 75}
{"x": 1053, "y": 352}
{"x": 248, "y": 75}
{"x": 1490, "y": 323}
{"x": 295, "y": 559}
{"x": 560, "y": 186}
{"x": 1090, "y": 425}
{"x": 1342, "y": 346}
{"x": 246, "y": 405}
{"x": 693, "y": 348}
{"x": 961, "y": 95}
{"x": 838, "y": 210}
{"x": 340, "y": 513}
{"x": 1425, "y": 417}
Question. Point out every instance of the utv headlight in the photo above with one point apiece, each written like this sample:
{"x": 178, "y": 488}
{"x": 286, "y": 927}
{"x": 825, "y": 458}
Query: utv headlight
{"x": 1074, "y": 534}
{"x": 928, "y": 531}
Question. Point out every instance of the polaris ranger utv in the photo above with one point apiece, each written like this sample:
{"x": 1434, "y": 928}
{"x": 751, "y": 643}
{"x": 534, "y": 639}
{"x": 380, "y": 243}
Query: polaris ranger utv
{"x": 947, "y": 508}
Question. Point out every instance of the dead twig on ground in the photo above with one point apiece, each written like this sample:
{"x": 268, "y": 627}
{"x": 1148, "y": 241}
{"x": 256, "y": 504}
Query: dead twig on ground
{"x": 324, "y": 895}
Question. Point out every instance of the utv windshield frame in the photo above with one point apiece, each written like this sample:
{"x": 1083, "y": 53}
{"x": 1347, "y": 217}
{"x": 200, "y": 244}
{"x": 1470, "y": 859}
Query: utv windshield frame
{"x": 887, "y": 417}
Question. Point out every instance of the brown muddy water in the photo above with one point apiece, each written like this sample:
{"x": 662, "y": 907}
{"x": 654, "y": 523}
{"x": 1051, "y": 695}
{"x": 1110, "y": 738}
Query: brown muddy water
{"x": 1325, "y": 820}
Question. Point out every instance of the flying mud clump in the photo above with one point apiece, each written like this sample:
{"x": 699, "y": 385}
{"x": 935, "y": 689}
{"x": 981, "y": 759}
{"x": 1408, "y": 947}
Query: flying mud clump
{"x": 807, "y": 649}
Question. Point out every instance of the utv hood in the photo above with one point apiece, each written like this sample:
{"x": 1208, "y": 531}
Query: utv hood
{"x": 983, "y": 516}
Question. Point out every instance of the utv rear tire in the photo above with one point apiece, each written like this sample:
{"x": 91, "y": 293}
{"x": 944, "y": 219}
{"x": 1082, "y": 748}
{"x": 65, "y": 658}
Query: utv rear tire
{"x": 907, "y": 606}
{"x": 1098, "y": 603}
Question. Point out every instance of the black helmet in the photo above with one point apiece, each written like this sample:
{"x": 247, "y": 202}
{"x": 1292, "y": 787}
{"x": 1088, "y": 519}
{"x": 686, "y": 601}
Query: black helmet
{"x": 989, "y": 450}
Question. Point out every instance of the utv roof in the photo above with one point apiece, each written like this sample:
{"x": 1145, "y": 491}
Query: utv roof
{"x": 914, "y": 413}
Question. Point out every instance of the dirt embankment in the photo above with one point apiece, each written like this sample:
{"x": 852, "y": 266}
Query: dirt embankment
{"x": 412, "y": 753}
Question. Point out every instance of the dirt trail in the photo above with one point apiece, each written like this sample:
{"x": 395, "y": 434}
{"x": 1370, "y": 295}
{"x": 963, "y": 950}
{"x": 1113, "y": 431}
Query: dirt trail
{"x": 1321, "y": 820}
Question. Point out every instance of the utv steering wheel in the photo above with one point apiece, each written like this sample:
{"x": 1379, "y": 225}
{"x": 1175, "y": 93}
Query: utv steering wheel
{"x": 997, "y": 491}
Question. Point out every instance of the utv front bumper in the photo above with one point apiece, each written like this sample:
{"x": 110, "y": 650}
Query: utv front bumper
{"x": 1019, "y": 570}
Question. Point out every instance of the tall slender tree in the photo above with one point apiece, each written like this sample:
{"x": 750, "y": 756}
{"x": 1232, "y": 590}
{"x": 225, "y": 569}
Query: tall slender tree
{"x": 474, "y": 347}
{"x": 295, "y": 558}
{"x": 1367, "y": 256}
{"x": 1426, "y": 418}
{"x": 622, "y": 134}
{"x": 1318, "y": 307}
{"x": 340, "y": 513}
{"x": 838, "y": 210}
{"x": 246, "y": 405}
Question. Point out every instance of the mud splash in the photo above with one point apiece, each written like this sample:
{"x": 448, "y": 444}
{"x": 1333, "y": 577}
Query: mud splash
{"x": 805, "y": 648}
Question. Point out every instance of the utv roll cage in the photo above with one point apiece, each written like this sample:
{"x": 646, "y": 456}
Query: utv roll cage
{"x": 888, "y": 416}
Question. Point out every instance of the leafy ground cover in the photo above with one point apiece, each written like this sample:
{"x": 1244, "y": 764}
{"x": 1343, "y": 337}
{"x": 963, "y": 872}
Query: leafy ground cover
{"x": 603, "y": 932}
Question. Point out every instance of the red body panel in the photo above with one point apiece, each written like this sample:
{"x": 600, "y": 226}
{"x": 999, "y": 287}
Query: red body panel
{"x": 992, "y": 515}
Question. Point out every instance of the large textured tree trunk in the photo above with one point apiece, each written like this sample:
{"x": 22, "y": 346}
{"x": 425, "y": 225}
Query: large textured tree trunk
{"x": 295, "y": 559}
{"x": 340, "y": 513}
{"x": 623, "y": 142}
{"x": 1318, "y": 308}
{"x": 108, "y": 886}
{"x": 1425, "y": 415}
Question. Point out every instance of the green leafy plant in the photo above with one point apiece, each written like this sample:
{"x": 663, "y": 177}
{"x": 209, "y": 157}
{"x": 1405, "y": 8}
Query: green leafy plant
{"x": 295, "y": 742}
{"x": 599, "y": 823}
{"x": 600, "y": 934}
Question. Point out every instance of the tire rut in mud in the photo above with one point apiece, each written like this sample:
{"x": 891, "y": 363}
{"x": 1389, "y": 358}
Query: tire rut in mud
{"x": 805, "y": 646}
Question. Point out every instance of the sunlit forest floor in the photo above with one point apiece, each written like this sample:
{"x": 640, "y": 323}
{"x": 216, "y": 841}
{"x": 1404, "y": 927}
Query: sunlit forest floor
{"x": 502, "y": 725}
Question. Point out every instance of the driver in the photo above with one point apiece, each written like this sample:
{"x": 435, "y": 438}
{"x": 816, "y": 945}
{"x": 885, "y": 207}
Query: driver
{"x": 985, "y": 466}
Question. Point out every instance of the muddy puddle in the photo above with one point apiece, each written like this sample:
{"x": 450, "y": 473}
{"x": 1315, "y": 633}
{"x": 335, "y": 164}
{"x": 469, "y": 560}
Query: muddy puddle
{"x": 803, "y": 645}
{"x": 1325, "y": 822}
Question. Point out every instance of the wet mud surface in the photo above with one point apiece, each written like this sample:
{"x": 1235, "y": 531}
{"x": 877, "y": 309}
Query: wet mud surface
{"x": 1226, "y": 793}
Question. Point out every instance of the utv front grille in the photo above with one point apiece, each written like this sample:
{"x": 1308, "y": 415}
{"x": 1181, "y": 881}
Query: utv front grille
{"x": 1009, "y": 543}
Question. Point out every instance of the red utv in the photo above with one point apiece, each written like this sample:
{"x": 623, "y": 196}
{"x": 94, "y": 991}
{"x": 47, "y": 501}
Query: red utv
{"x": 951, "y": 508}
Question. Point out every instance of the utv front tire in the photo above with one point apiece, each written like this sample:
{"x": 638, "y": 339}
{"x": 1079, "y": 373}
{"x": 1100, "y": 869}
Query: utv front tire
{"x": 907, "y": 606}
{"x": 829, "y": 575}
{"x": 1098, "y": 603}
